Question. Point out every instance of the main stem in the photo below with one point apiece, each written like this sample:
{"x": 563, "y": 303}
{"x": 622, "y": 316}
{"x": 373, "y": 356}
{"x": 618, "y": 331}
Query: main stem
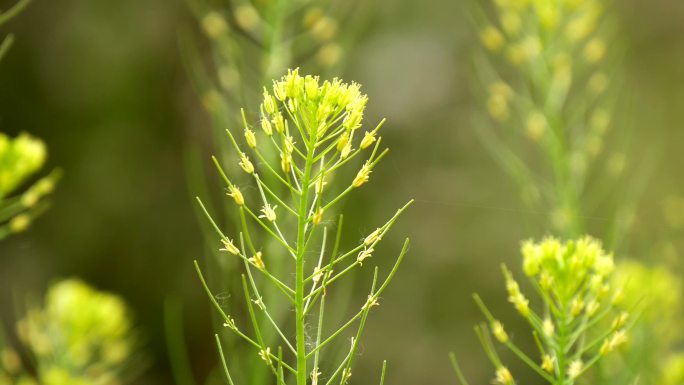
{"x": 299, "y": 290}
{"x": 562, "y": 343}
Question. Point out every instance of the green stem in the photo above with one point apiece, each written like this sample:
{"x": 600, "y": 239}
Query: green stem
{"x": 302, "y": 221}
{"x": 562, "y": 343}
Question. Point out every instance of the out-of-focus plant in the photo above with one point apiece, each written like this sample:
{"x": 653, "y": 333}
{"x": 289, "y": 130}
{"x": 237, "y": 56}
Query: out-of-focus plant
{"x": 20, "y": 158}
{"x": 6, "y": 16}
{"x": 579, "y": 323}
{"x": 548, "y": 84}
{"x": 312, "y": 127}
{"x": 253, "y": 42}
{"x": 654, "y": 356}
{"x": 78, "y": 336}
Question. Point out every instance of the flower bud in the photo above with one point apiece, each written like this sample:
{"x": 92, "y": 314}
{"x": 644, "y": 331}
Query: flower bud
{"x": 30, "y": 198}
{"x": 362, "y": 176}
{"x": 269, "y": 103}
{"x": 268, "y": 213}
{"x": 235, "y": 193}
{"x": 368, "y": 139}
{"x": 19, "y": 223}
{"x": 279, "y": 123}
{"x": 499, "y": 332}
{"x": 613, "y": 342}
{"x": 285, "y": 162}
{"x": 229, "y": 246}
{"x": 575, "y": 368}
{"x": 279, "y": 91}
{"x": 620, "y": 321}
{"x": 293, "y": 83}
{"x": 247, "y": 17}
{"x": 311, "y": 87}
{"x": 364, "y": 254}
{"x": 214, "y": 25}
{"x": 592, "y": 307}
{"x": 266, "y": 126}
{"x": 548, "y": 363}
{"x": 492, "y": 38}
{"x": 320, "y": 185}
{"x": 246, "y": 164}
{"x": 250, "y": 137}
{"x": 503, "y": 376}
{"x": 257, "y": 261}
{"x": 576, "y": 306}
{"x": 346, "y": 151}
{"x": 342, "y": 141}
{"x": 547, "y": 327}
{"x": 317, "y": 217}
{"x": 372, "y": 237}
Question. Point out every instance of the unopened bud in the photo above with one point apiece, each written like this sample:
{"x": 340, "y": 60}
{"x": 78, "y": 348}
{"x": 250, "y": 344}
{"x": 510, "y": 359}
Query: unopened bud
{"x": 250, "y": 137}
{"x": 229, "y": 246}
{"x": 235, "y": 193}
{"x": 362, "y": 176}
{"x": 246, "y": 164}
{"x": 317, "y": 217}
{"x": 266, "y": 126}
{"x": 368, "y": 139}
{"x": 499, "y": 332}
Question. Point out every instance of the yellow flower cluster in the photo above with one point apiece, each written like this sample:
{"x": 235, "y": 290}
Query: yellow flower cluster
{"x": 79, "y": 336}
{"x": 19, "y": 158}
{"x": 574, "y": 280}
{"x": 318, "y": 105}
{"x": 521, "y": 22}
{"x": 547, "y": 42}
{"x": 564, "y": 268}
{"x": 322, "y": 115}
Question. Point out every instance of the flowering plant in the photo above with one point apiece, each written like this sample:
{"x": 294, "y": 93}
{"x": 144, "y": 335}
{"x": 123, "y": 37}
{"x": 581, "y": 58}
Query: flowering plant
{"x": 573, "y": 281}
{"x": 313, "y": 127}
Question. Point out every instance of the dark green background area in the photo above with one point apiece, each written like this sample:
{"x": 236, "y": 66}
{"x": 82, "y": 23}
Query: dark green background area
{"x": 103, "y": 84}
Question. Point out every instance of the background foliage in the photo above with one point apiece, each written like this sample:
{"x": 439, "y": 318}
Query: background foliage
{"x": 103, "y": 84}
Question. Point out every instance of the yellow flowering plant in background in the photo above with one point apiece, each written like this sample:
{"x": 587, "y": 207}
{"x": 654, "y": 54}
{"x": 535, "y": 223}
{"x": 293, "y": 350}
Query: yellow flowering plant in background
{"x": 548, "y": 83}
{"x": 578, "y": 321}
{"x": 313, "y": 126}
{"x": 79, "y": 336}
{"x": 550, "y": 87}
{"x": 654, "y": 355}
{"x": 20, "y": 158}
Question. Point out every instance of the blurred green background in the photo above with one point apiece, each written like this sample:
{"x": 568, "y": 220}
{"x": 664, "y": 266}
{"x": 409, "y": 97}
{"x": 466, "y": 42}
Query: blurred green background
{"x": 103, "y": 84}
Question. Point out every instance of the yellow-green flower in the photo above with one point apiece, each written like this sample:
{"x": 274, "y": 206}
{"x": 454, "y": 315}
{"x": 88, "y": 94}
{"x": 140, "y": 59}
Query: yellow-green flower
{"x": 79, "y": 336}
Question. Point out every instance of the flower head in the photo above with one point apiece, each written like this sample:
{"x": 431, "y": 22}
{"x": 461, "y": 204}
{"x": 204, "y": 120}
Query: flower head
{"x": 250, "y": 138}
{"x": 363, "y": 255}
{"x": 246, "y": 164}
{"x": 268, "y": 212}
{"x": 234, "y": 192}
{"x": 229, "y": 246}
{"x": 567, "y": 264}
{"x": 362, "y": 176}
{"x": 258, "y": 261}
{"x": 323, "y": 103}
{"x": 368, "y": 139}
{"x": 503, "y": 376}
{"x": 575, "y": 368}
{"x": 499, "y": 332}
